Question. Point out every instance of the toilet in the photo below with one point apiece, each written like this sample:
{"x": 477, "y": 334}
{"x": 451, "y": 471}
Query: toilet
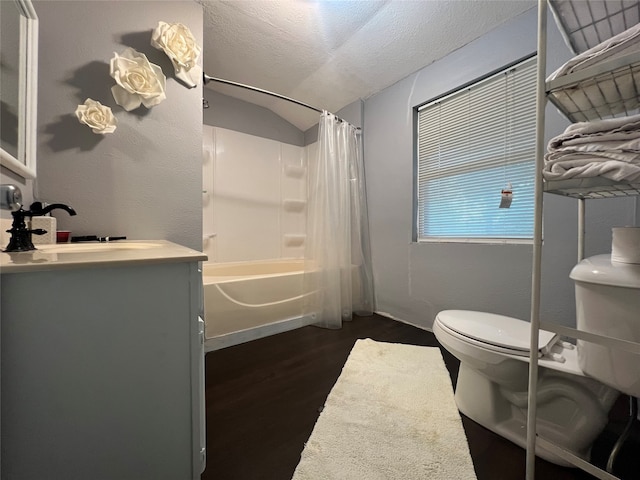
{"x": 572, "y": 409}
{"x": 608, "y": 303}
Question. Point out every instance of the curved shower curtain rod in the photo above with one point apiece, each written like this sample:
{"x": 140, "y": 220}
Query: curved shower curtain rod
{"x": 206, "y": 79}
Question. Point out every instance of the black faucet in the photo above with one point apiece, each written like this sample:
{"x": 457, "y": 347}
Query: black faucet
{"x": 20, "y": 235}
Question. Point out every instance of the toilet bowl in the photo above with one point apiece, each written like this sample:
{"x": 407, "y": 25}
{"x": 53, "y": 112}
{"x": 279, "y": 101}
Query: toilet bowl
{"x": 572, "y": 409}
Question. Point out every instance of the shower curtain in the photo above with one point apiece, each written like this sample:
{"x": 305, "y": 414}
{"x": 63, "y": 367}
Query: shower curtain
{"x": 338, "y": 277}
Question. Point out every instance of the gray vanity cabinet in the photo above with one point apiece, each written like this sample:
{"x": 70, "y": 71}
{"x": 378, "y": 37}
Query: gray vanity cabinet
{"x": 102, "y": 373}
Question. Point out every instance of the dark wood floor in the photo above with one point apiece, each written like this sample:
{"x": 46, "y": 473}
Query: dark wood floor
{"x": 263, "y": 399}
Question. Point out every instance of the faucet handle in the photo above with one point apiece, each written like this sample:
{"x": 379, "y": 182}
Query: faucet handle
{"x": 35, "y": 208}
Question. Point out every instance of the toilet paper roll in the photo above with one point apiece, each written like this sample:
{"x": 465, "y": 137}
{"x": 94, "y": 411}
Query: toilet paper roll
{"x": 625, "y": 246}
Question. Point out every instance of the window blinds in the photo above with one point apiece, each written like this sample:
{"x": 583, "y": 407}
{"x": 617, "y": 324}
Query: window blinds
{"x": 471, "y": 145}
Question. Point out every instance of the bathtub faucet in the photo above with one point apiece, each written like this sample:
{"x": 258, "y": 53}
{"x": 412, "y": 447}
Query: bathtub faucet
{"x": 21, "y": 235}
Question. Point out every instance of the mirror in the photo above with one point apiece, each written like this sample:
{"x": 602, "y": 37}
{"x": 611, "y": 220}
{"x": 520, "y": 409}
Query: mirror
{"x": 18, "y": 86}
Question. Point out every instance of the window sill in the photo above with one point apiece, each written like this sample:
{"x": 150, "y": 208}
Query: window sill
{"x": 482, "y": 241}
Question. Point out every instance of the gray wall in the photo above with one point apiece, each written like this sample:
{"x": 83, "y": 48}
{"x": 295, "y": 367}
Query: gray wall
{"x": 235, "y": 114}
{"x": 145, "y": 180}
{"x": 414, "y": 281}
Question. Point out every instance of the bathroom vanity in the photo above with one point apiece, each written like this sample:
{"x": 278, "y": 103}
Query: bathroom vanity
{"x": 102, "y": 363}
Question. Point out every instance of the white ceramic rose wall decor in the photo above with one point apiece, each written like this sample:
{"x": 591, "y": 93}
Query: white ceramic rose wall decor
{"x": 139, "y": 82}
{"x": 96, "y": 116}
{"x": 179, "y": 44}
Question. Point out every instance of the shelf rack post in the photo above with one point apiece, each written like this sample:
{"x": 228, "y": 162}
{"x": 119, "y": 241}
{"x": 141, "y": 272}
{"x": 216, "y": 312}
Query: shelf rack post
{"x": 581, "y": 228}
{"x": 537, "y": 241}
{"x": 559, "y": 90}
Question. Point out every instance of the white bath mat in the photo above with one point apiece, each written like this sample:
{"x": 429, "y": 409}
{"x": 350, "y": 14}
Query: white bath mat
{"x": 391, "y": 415}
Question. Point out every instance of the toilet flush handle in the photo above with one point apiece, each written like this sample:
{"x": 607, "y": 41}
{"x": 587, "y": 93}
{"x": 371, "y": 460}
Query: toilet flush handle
{"x": 557, "y": 357}
{"x": 567, "y": 345}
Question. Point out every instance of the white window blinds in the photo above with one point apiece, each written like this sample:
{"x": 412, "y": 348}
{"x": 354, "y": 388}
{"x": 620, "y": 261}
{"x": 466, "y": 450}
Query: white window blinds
{"x": 471, "y": 145}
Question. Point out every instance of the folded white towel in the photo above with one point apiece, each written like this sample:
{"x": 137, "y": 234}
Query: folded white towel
{"x": 594, "y": 155}
{"x": 631, "y": 122}
{"x": 583, "y": 166}
{"x": 616, "y": 46}
{"x": 608, "y": 148}
{"x": 625, "y": 136}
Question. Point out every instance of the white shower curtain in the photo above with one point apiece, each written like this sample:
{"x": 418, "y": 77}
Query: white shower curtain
{"x": 338, "y": 277}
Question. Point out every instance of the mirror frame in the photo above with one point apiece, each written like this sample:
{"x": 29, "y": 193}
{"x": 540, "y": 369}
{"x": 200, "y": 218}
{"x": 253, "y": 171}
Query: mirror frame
{"x": 25, "y": 164}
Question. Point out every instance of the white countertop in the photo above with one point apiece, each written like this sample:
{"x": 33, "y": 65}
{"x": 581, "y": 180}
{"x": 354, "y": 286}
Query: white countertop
{"x": 95, "y": 254}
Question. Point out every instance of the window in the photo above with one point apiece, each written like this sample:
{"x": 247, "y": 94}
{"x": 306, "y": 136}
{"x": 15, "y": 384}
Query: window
{"x": 472, "y": 144}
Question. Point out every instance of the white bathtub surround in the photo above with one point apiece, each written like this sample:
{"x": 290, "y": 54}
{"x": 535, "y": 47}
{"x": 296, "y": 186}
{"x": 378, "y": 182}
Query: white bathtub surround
{"x": 244, "y": 301}
{"x": 391, "y": 414}
{"x": 294, "y": 240}
{"x": 337, "y": 226}
{"x": 256, "y": 196}
{"x": 256, "y": 203}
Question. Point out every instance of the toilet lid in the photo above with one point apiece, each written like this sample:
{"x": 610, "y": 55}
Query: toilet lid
{"x": 495, "y": 330}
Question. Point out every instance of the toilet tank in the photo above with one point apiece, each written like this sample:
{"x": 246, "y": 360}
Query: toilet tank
{"x": 608, "y": 303}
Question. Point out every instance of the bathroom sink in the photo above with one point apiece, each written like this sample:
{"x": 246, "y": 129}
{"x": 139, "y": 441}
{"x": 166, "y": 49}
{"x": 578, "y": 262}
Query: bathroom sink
{"x": 93, "y": 254}
{"x": 96, "y": 247}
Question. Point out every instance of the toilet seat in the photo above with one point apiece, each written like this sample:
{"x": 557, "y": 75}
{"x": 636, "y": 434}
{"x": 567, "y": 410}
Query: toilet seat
{"x": 553, "y": 353}
{"x": 494, "y": 332}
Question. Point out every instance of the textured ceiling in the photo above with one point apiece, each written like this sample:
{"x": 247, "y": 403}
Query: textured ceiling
{"x": 331, "y": 53}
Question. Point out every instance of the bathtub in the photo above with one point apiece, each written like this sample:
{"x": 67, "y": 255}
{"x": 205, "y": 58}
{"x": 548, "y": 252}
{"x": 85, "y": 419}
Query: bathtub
{"x": 244, "y": 301}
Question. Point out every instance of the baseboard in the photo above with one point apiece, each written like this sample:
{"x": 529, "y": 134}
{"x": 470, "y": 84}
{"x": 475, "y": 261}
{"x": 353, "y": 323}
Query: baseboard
{"x": 243, "y": 336}
{"x": 393, "y": 317}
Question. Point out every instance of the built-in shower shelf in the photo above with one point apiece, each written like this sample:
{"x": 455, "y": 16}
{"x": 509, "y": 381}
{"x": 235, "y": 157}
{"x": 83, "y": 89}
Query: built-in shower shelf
{"x": 294, "y": 206}
{"x": 294, "y": 171}
{"x": 294, "y": 240}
